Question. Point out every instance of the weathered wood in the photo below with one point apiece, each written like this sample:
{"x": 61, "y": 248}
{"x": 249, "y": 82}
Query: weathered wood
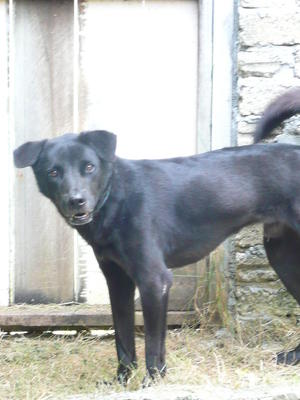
{"x": 183, "y": 290}
{"x": 216, "y": 120}
{"x": 205, "y": 68}
{"x": 5, "y": 159}
{"x": 223, "y": 133}
{"x": 42, "y": 106}
{"x": 42, "y": 82}
{"x": 224, "y": 75}
{"x": 39, "y": 318}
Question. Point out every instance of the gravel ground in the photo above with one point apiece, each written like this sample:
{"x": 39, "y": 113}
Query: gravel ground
{"x": 171, "y": 392}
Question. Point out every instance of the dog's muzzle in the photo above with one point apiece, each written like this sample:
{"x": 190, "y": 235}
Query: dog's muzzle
{"x": 81, "y": 218}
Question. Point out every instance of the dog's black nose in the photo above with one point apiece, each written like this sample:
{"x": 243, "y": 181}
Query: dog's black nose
{"x": 77, "y": 201}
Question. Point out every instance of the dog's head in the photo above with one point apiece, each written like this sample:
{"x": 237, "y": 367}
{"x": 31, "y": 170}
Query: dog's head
{"x": 72, "y": 170}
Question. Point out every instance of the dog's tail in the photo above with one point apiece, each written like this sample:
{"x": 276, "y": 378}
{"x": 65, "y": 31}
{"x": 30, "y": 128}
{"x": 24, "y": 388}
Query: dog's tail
{"x": 283, "y": 107}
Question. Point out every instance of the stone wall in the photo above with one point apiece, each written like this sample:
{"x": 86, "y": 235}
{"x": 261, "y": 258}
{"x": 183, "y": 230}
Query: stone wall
{"x": 268, "y": 64}
{"x": 259, "y": 293}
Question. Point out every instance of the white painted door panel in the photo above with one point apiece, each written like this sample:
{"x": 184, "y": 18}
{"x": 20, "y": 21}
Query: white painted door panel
{"x": 138, "y": 79}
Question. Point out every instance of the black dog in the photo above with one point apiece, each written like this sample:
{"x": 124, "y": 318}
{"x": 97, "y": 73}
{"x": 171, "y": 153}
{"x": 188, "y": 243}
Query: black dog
{"x": 143, "y": 217}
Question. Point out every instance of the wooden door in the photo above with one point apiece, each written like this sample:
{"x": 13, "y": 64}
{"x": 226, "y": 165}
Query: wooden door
{"x": 144, "y": 69}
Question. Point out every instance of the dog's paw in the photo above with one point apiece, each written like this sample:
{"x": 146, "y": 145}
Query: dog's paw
{"x": 153, "y": 376}
{"x": 147, "y": 381}
{"x": 125, "y": 373}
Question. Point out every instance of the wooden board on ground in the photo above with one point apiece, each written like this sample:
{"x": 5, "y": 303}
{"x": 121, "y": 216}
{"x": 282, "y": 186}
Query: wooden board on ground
{"x": 77, "y": 317}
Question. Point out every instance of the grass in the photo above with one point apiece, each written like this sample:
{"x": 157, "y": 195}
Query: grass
{"x": 47, "y": 366}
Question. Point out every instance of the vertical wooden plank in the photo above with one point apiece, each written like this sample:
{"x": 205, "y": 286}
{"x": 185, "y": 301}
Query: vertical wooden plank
{"x": 5, "y": 159}
{"x": 204, "y": 119}
{"x": 42, "y": 107}
{"x": 205, "y": 69}
{"x": 223, "y": 134}
{"x": 217, "y": 74}
{"x": 216, "y": 125}
{"x": 223, "y": 74}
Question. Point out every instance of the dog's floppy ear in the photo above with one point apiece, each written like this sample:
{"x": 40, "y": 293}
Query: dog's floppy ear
{"x": 103, "y": 142}
{"x": 28, "y": 153}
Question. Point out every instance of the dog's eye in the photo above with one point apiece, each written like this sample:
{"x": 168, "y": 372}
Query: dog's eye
{"x": 89, "y": 168}
{"x": 53, "y": 173}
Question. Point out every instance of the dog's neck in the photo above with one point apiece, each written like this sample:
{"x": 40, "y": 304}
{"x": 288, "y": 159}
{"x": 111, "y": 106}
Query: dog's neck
{"x": 103, "y": 198}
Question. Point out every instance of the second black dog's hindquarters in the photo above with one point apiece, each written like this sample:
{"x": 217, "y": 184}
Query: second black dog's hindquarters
{"x": 282, "y": 245}
{"x": 281, "y": 242}
{"x": 283, "y": 252}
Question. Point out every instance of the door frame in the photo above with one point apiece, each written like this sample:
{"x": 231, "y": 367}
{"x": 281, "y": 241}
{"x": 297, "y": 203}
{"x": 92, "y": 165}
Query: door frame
{"x": 217, "y": 128}
{"x": 216, "y": 107}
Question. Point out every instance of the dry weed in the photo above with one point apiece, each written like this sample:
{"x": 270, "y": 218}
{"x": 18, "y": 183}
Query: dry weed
{"x": 39, "y": 367}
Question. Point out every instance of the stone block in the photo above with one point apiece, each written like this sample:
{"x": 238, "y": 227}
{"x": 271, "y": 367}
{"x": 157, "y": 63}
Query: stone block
{"x": 297, "y": 61}
{"x": 266, "y": 299}
{"x": 268, "y": 3}
{"x": 250, "y": 236}
{"x": 259, "y": 69}
{"x": 244, "y": 140}
{"x": 264, "y": 61}
{"x": 274, "y": 25}
{"x": 254, "y": 256}
{"x": 256, "y": 92}
{"x": 247, "y": 124}
{"x": 256, "y": 275}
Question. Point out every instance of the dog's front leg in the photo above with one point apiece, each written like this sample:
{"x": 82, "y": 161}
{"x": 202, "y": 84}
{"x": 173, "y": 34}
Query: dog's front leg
{"x": 121, "y": 292}
{"x": 154, "y": 289}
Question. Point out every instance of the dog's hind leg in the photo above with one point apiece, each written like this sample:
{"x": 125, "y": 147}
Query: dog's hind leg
{"x": 282, "y": 245}
{"x": 121, "y": 292}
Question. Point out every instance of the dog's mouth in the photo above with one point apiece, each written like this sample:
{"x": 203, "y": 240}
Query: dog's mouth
{"x": 81, "y": 218}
